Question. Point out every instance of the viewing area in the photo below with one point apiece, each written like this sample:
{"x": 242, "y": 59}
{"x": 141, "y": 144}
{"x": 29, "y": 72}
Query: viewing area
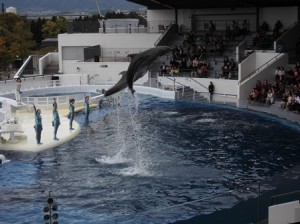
{"x": 214, "y": 48}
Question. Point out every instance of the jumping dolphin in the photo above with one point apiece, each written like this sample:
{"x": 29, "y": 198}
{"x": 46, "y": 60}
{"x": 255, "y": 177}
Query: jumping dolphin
{"x": 138, "y": 67}
{"x": 121, "y": 84}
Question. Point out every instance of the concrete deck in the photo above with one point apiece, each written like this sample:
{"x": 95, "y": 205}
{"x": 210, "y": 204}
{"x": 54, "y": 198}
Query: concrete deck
{"x": 26, "y": 141}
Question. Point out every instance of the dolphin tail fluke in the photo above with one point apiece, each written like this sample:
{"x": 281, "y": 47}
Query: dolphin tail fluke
{"x": 132, "y": 91}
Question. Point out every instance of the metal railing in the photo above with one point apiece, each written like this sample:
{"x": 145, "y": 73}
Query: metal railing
{"x": 265, "y": 65}
{"x": 294, "y": 195}
{"x": 46, "y": 102}
{"x": 166, "y": 35}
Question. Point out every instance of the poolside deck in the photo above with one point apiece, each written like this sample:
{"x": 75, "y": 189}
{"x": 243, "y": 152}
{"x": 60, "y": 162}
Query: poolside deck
{"x": 26, "y": 141}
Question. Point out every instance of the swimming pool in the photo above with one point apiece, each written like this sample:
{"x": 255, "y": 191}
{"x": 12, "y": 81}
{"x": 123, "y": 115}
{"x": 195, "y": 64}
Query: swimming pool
{"x": 150, "y": 160}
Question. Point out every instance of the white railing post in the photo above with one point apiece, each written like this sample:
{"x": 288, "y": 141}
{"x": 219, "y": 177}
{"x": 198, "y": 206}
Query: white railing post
{"x": 174, "y": 83}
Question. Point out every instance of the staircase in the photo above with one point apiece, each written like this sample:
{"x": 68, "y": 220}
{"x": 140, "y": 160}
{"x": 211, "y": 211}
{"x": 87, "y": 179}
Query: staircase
{"x": 188, "y": 93}
{"x": 51, "y": 68}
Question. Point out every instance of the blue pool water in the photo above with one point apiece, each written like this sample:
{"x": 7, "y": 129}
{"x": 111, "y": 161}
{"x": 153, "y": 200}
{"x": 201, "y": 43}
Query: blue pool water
{"x": 150, "y": 160}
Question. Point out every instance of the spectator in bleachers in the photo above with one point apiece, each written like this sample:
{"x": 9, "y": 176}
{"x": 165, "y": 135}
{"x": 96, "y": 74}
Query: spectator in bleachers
{"x": 276, "y": 30}
{"x": 174, "y": 70}
{"x": 290, "y": 101}
{"x": 226, "y": 60}
{"x": 289, "y": 76}
{"x": 284, "y": 100}
{"x": 281, "y": 88}
{"x": 296, "y": 75}
{"x": 275, "y": 86}
{"x": 258, "y": 85}
{"x": 212, "y": 27}
{"x": 264, "y": 27}
{"x": 195, "y": 63}
{"x": 265, "y": 85}
{"x": 254, "y": 95}
{"x": 281, "y": 74}
{"x": 225, "y": 70}
{"x": 245, "y": 27}
{"x": 277, "y": 71}
{"x": 262, "y": 96}
{"x": 203, "y": 70}
{"x": 164, "y": 69}
{"x": 189, "y": 63}
{"x": 270, "y": 97}
{"x": 228, "y": 34}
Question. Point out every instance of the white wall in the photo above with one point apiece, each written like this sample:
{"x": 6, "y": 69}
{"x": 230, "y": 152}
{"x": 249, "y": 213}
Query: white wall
{"x": 222, "y": 86}
{"x": 47, "y": 59}
{"x": 114, "y": 41}
{"x": 159, "y": 17}
{"x": 155, "y": 92}
{"x": 255, "y": 61}
{"x": 109, "y": 70}
{"x": 287, "y": 16}
{"x": 184, "y": 18}
{"x": 284, "y": 213}
{"x": 266, "y": 72}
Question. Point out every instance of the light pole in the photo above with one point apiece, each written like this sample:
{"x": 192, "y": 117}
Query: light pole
{"x": 50, "y": 215}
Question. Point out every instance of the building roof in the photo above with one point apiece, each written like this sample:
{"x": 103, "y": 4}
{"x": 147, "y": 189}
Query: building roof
{"x": 188, "y": 4}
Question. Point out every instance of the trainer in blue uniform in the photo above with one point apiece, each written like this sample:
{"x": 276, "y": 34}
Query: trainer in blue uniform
{"x": 86, "y": 110}
{"x": 56, "y": 120}
{"x": 38, "y": 125}
{"x": 71, "y": 113}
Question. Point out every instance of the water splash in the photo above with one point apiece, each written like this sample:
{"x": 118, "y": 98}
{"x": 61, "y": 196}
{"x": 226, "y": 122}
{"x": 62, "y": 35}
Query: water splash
{"x": 134, "y": 148}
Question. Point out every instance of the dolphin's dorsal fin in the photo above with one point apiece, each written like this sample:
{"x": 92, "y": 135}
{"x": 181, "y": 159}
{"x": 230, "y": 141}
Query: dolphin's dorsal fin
{"x": 122, "y": 73}
{"x": 131, "y": 55}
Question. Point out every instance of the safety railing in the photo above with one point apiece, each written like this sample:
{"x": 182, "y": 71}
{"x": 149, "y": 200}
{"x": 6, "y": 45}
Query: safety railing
{"x": 294, "y": 195}
{"x": 167, "y": 34}
{"x": 263, "y": 66}
{"x": 62, "y": 101}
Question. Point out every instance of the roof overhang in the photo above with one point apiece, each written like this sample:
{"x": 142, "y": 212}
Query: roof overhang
{"x": 188, "y": 4}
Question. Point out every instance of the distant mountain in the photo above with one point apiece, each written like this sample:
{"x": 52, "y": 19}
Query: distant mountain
{"x": 66, "y": 6}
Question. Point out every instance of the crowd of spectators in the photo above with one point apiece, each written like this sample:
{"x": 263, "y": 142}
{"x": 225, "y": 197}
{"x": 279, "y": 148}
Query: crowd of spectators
{"x": 285, "y": 88}
{"x": 192, "y": 56}
{"x": 236, "y": 30}
{"x": 228, "y": 69}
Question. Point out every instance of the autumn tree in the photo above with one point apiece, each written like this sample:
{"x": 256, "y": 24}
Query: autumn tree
{"x": 15, "y": 39}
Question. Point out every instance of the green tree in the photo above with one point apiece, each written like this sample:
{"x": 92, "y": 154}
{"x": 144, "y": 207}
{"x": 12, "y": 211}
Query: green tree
{"x": 54, "y": 27}
{"x": 36, "y": 30}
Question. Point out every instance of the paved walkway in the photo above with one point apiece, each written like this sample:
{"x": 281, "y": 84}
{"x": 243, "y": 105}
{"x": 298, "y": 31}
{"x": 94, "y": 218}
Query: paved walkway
{"x": 276, "y": 110}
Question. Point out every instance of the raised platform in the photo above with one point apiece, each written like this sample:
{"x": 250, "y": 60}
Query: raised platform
{"x": 26, "y": 141}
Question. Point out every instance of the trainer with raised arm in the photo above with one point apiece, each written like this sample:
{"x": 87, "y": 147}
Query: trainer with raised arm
{"x": 38, "y": 125}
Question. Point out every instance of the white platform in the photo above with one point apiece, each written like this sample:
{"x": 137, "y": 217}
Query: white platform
{"x": 26, "y": 141}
